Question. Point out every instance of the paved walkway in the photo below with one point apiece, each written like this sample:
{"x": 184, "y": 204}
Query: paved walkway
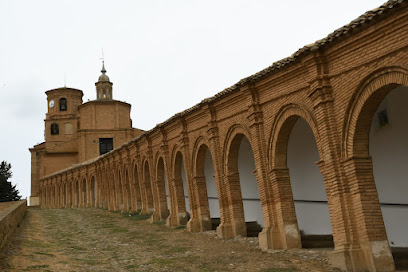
{"x": 97, "y": 240}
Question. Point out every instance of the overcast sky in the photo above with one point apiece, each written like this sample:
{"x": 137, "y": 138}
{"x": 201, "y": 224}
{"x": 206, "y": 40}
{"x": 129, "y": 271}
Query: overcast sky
{"x": 162, "y": 56}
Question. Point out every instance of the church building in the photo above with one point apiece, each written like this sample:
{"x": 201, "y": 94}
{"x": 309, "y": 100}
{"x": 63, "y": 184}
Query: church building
{"x": 76, "y": 132}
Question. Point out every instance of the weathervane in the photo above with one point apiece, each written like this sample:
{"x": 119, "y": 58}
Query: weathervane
{"x": 103, "y": 56}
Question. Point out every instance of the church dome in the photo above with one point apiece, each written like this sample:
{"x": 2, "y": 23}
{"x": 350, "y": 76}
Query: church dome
{"x": 103, "y": 77}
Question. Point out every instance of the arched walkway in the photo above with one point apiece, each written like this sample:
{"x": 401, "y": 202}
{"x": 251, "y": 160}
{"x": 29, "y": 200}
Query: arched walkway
{"x": 127, "y": 192}
{"x": 388, "y": 148}
{"x": 93, "y": 191}
{"x": 137, "y": 198}
{"x": 84, "y": 193}
{"x": 119, "y": 192}
{"x": 209, "y": 207}
{"x": 78, "y": 194}
{"x": 149, "y": 207}
{"x": 308, "y": 188}
{"x": 162, "y": 191}
{"x": 375, "y": 151}
{"x": 244, "y": 192}
{"x": 181, "y": 192}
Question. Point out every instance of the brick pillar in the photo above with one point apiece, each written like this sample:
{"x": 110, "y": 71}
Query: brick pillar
{"x": 54, "y": 190}
{"x": 225, "y": 229}
{"x": 178, "y": 214}
{"x": 127, "y": 204}
{"x": 203, "y": 220}
{"x": 236, "y": 206}
{"x": 160, "y": 191}
{"x": 372, "y": 251}
{"x": 258, "y": 144}
{"x": 194, "y": 222}
{"x": 285, "y": 233}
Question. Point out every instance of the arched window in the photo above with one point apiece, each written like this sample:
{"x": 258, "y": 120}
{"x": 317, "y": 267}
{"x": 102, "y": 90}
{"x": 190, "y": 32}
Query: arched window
{"x": 63, "y": 104}
{"x": 104, "y": 93}
{"x": 54, "y": 129}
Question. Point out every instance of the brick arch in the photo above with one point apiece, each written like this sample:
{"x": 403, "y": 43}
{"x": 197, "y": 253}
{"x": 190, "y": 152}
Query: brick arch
{"x": 367, "y": 212}
{"x": 77, "y": 192}
{"x": 200, "y": 184}
{"x": 231, "y": 146}
{"x": 137, "y": 197}
{"x": 83, "y": 190}
{"x": 197, "y": 158}
{"x": 126, "y": 177}
{"x": 93, "y": 189}
{"x": 231, "y": 151}
{"x": 70, "y": 192}
{"x": 118, "y": 185}
{"x": 363, "y": 104}
{"x": 147, "y": 186}
{"x": 160, "y": 186}
{"x": 64, "y": 193}
{"x": 180, "y": 210}
{"x": 281, "y": 129}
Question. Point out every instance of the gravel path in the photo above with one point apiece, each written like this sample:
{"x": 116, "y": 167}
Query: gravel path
{"x": 90, "y": 239}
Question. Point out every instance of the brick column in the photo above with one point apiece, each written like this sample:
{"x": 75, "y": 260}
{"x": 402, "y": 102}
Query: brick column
{"x": 160, "y": 191}
{"x": 367, "y": 217}
{"x": 258, "y": 144}
{"x": 236, "y": 206}
{"x": 203, "y": 219}
{"x": 225, "y": 229}
{"x": 285, "y": 233}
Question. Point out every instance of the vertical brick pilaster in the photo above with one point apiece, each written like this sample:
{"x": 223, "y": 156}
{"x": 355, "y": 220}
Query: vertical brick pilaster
{"x": 256, "y": 125}
{"x": 329, "y": 151}
{"x": 201, "y": 196}
{"x": 172, "y": 218}
{"x": 225, "y": 229}
{"x": 185, "y": 150}
{"x": 236, "y": 205}
{"x": 285, "y": 232}
{"x": 367, "y": 216}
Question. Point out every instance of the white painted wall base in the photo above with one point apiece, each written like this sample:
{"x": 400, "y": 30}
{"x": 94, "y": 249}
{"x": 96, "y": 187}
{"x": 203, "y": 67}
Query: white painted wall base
{"x": 213, "y": 202}
{"x": 389, "y": 152}
{"x": 249, "y": 186}
{"x": 307, "y": 181}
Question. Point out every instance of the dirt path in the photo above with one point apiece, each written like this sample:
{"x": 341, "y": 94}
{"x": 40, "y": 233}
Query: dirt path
{"x": 98, "y": 240}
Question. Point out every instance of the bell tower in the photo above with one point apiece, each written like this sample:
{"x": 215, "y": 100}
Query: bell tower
{"x": 103, "y": 86}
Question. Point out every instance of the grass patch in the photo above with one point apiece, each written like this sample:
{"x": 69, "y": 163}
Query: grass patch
{"x": 130, "y": 266}
{"x": 118, "y": 230}
{"x": 38, "y": 266}
{"x": 180, "y": 227}
{"x": 176, "y": 249}
{"x": 136, "y": 216}
{"x": 87, "y": 261}
{"x": 289, "y": 269}
{"x": 36, "y": 243}
{"x": 159, "y": 223}
{"x": 43, "y": 253}
{"x": 79, "y": 248}
{"x": 161, "y": 261}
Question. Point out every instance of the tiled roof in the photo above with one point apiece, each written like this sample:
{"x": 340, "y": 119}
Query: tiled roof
{"x": 364, "y": 19}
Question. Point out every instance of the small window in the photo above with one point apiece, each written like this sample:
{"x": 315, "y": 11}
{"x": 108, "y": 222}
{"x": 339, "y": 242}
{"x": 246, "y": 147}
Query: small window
{"x": 54, "y": 129}
{"x": 383, "y": 118}
{"x": 105, "y": 145}
{"x": 104, "y": 93}
{"x": 63, "y": 104}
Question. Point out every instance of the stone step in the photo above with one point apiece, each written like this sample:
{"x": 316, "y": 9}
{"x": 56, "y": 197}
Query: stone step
{"x": 317, "y": 240}
{"x": 253, "y": 229}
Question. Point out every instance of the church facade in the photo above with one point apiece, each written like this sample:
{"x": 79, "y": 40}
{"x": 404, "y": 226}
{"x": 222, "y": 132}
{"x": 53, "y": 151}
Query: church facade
{"x": 314, "y": 145}
{"x": 76, "y": 132}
